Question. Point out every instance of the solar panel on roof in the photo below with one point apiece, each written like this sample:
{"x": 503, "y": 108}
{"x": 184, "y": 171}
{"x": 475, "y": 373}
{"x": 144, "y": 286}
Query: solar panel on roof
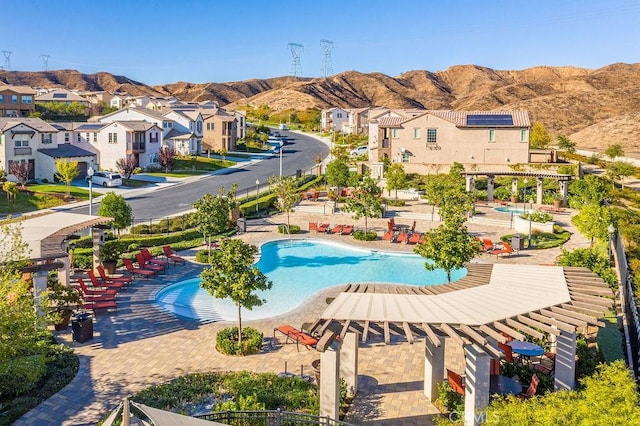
{"x": 59, "y": 96}
{"x": 489, "y": 120}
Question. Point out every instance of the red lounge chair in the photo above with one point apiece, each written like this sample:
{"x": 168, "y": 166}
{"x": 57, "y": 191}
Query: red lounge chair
{"x": 414, "y": 238}
{"x": 93, "y": 305}
{"x": 313, "y": 226}
{"x": 137, "y": 271}
{"x": 119, "y": 279}
{"x": 101, "y": 291}
{"x": 337, "y": 229}
{"x": 315, "y": 195}
{"x": 305, "y": 195}
{"x": 170, "y": 255}
{"x": 402, "y": 238}
{"x": 456, "y": 382}
{"x": 323, "y": 228}
{"x": 295, "y": 336}
{"x": 347, "y": 230}
{"x": 506, "y": 249}
{"x": 389, "y": 236}
{"x": 150, "y": 259}
{"x": 96, "y": 283}
{"x": 142, "y": 264}
{"x": 533, "y": 387}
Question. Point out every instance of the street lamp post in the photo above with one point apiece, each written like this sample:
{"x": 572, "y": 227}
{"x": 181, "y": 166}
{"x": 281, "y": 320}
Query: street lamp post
{"x": 281, "y": 145}
{"x": 530, "y": 215}
{"x": 524, "y": 197}
{"x": 90, "y": 180}
{"x": 257, "y": 192}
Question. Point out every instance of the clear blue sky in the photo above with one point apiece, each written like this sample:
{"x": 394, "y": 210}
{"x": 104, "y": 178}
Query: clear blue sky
{"x": 160, "y": 41}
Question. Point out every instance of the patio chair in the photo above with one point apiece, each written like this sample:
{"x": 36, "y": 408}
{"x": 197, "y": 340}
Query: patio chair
{"x": 347, "y": 230}
{"x": 170, "y": 255}
{"x": 315, "y": 196}
{"x": 508, "y": 352}
{"x": 117, "y": 279}
{"x": 137, "y": 271}
{"x": 305, "y": 195}
{"x": 531, "y": 390}
{"x": 97, "y": 283}
{"x": 93, "y": 305}
{"x": 547, "y": 363}
{"x": 487, "y": 244}
{"x": 494, "y": 367}
{"x": 97, "y": 291}
{"x": 313, "y": 226}
{"x": 148, "y": 257}
{"x": 323, "y": 227}
{"x": 456, "y": 382}
{"x": 389, "y": 236}
{"x": 142, "y": 264}
{"x": 506, "y": 249}
{"x": 337, "y": 229}
{"x": 415, "y": 238}
{"x": 413, "y": 227}
{"x": 402, "y": 238}
{"x": 295, "y": 336}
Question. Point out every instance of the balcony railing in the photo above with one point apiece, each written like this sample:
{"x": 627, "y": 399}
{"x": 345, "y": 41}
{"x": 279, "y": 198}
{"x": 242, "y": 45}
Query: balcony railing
{"x": 135, "y": 147}
{"x": 385, "y": 143}
{"x": 24, "y": 150}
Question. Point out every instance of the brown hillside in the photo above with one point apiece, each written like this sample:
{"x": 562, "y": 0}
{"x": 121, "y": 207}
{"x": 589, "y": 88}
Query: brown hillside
{"x": 568, "y": 100}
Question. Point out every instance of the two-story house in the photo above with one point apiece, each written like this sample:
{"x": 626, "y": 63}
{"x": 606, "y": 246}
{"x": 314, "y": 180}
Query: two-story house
{"x": 333, "y": 119}
{"x": 35, "y": 142}
{"x": 62, "y": 96}
{"x": 16, "y": 101}
{"x": 186, "y": 135}
{"x": 421, "y": 137}
{"x": 220, "y": 131}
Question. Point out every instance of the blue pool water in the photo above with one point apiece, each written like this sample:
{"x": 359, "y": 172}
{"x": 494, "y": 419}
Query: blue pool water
{"x": 511, "y": 210}
{"x": 299, "y": 268}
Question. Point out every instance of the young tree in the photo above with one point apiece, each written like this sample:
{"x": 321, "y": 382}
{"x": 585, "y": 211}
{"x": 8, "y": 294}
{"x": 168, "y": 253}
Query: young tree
{"x": 286, "y": 188}
{"x": 449, "y": 246}
{"x": 213, "y": 212}
{"x": 614, "y": 151}
{"x": 166, "y": 157}
{"x": 67, "y": 172}
{"x": 11, "y": 189}
{"x": 21, "y": 171}
{"x": 593, "y": 221}
{"x": 233, "y": 274}
{"x": 539, "y": 138}
{"x": 337, "y": 173}
{"x": 127, "y": 166}
{"x": 365, "y": 201}
{"x": 619, "y": 170}
{"x": 396, "y": 177}
{"x": 566, "y": 145}
{"x": 115, "y": 206}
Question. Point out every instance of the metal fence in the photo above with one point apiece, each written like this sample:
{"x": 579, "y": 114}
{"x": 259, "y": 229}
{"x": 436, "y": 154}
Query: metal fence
{"x": 269, "y": 418}
{"x": 628, "y": 304}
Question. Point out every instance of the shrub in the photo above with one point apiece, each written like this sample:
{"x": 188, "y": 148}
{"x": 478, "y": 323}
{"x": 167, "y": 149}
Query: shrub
{"x": 448, "y": 399}
{"x": 537, "y": 216}
{"x": 396, "y": 203}
{"x": 227, "y": 341}
{"x": 610, "y": 341}
{"x": 293, "y": 229}
{"x": 365, "y": 236}
{"x": 20, "y": 375}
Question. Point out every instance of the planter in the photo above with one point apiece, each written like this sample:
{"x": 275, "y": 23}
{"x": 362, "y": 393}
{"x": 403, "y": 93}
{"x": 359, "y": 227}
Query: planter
{"x": 522, "y": 226}
{"x": 514, "y": 199}
{"x": 315, "y": 366}
{"x": 110, "y": 266}
{"x": 557, "y": 204}
{"x": 64, "y": 322}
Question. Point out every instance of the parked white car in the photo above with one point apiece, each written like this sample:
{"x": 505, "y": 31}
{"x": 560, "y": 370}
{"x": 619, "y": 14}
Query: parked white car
{"x": 106, "y": 179}
{"x": 361, "y": 150}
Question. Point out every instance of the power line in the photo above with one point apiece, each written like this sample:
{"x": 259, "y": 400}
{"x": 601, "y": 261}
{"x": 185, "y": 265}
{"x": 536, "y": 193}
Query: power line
{"x": 327, "y": 64}
{"x": 7, "y": 60}
{"x": 296, "y": 64}
{"x": 45, "y": 62}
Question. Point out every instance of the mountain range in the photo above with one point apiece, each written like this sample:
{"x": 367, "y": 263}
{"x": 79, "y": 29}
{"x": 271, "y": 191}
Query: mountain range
{"x": 593, "y": 107}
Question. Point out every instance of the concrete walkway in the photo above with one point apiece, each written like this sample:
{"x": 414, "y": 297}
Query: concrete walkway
{"x": 140, "y": 345}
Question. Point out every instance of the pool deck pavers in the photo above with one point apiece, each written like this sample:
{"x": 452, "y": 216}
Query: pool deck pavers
{"x": 141, "y": 345}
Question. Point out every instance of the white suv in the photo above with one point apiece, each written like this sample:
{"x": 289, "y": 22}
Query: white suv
{"x": 106, "y": 179}
{"x": 360, "y": 150}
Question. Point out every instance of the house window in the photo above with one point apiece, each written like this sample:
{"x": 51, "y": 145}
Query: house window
{"x": 27, "y": 99}
{"x": 88, "y": 136}
{"x": 338, "y": 115}
{"x": 14, "y": 99}
{"x": 492, "y": 135}
{"x": 79, "y": 138}
{"x": 432, "y": 135}
{"x": 46, "y": 138}
{"x": 66, "y": 137}
{"x": 113, "y": 138}
{"x": 405, "y": 157}
{"x": 95, "y": 137}
{"x": 21, "y": 141}
{"x": 1, "y": 99}
{"x": 524, "y": 135}
{"x": 395, "y": 133}
{"x": 199, "y": 126}
{"x": 153, "y": 158}
{"x": 416, "y": 133}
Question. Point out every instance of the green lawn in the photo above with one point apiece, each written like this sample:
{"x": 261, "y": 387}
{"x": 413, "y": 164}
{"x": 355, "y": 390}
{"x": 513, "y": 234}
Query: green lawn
{"x": 42, "y": 197}
{"x": 201, "y": 164}
{"x": 74, "y": 191}
{"x": 134, "y": 183}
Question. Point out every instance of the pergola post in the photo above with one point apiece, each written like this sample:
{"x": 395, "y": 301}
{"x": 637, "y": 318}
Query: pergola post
{"x": 564, "y": 191}
{"x": 476, "y": 391}
{"x": 565, "y": 370}
{"x": 349, "y": 362}
{"x": 539, "y": 190}
{"x": 471, "y": 183}
{"x": 97, "y": 240}
{"x": 514, "y": 184}
{"x": 39, "y": 285}
{"x": 329, "y": 376}
{"x": 490, "y": 187}
{"x": 64, "y": 274}
{"x": 433, "y": 367}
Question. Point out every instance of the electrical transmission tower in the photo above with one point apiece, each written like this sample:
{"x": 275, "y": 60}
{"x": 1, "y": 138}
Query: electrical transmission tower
{"x": 45, "y": 62}
{"x": 7, "y": 60}
{"x": 296, "y": 64}
{"x": 327, "y": 65}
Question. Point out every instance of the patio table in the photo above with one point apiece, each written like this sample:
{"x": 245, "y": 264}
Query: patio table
{"x": 504, "y": 385}
{"x": 527, "y": 349}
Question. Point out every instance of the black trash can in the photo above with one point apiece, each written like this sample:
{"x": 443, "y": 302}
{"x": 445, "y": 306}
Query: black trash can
{"x": 298, "y": 173}
{"x": 82, "y": 327}
{"x": 517, "y": 242}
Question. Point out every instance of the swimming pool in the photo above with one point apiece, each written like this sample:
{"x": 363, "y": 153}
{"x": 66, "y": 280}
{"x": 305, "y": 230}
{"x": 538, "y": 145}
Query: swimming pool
{"x": 299, "y": 268}
{"x": 510, "y": 210}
